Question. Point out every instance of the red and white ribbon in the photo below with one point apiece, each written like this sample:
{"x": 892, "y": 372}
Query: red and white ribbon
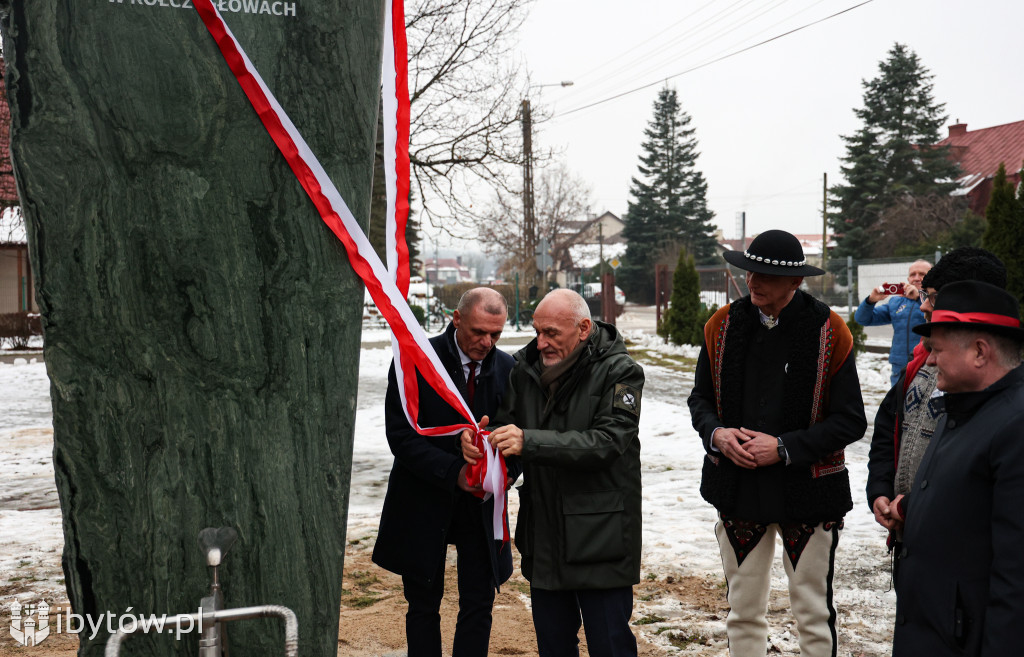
{"x": 395, "y": 102}
{"x": 414, "y": 351}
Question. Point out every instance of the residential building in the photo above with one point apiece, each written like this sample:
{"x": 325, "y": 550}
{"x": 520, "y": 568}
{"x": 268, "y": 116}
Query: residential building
{"x": 581, "y": 244}
{"x": 979, "y": 154}
{"x": 16, "y": 290}
{"x": 445, "y": 271}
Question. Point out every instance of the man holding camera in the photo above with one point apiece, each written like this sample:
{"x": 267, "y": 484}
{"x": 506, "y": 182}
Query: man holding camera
{"x": 902, "y": 309}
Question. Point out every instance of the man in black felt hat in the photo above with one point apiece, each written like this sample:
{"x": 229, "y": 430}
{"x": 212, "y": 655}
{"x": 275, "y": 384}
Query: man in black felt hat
{"x": 960, "y": 584}
{"x": 775, "y": 400}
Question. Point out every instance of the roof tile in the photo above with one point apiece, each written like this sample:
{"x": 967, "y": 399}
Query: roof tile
{"x": 981, "y": 151}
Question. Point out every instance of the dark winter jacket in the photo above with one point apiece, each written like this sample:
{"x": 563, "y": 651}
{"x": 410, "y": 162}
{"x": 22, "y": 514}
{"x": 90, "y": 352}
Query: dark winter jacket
{"x": 961, "y": 576}
{"x": 422, "y": 489}
{"x": 579, "y": 524}
{"x": 904, "y": 314}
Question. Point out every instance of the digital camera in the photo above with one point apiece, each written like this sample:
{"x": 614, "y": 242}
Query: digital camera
{"x": 892, "y": 288}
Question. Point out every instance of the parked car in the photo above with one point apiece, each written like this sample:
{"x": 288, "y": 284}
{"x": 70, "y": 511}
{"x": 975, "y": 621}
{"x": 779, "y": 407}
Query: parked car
{"x": 592, "y": 293}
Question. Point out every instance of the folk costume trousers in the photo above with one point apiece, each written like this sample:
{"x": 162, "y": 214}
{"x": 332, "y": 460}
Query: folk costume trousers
{"x": 810, "y": 589}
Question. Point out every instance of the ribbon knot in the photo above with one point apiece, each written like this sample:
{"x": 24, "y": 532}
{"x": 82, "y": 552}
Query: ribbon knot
{"x": 477, "y": 472}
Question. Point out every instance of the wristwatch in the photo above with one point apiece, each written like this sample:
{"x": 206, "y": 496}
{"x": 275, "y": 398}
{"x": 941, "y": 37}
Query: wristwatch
{"x": 783, "y": 454}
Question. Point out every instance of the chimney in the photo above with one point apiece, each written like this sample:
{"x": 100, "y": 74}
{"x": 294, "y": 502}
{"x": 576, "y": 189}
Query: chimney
{"x": 458, "y": 260}
{"x": 957, "y": 129}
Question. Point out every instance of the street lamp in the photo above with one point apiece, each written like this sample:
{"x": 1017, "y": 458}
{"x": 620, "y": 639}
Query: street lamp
{"x": 529, "y": 218}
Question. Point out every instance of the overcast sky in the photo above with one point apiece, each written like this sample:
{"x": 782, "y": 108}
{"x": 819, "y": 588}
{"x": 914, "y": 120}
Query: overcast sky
{"x": 768, "y": 121}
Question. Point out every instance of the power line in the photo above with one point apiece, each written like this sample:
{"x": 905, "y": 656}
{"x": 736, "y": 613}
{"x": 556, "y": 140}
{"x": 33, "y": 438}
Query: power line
{"x": 786, "y": 193}
{"x": 767, "y": 28}
{"x": 653, "y": 48}
{"x": 709, "y": 63}
{"x": 647, "y": 41}
{"x": 708, "y": 39}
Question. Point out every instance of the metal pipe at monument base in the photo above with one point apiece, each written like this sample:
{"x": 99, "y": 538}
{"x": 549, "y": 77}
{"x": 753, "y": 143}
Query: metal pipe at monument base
{"x": 291, "y": 625}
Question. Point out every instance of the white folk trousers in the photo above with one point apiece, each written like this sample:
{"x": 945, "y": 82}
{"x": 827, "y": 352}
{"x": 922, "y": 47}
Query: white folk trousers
{"x": 810, "y": 593}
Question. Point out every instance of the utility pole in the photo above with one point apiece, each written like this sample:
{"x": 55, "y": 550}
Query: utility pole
{"x": 529, "y": 219}
{"x": 600, "y": 246}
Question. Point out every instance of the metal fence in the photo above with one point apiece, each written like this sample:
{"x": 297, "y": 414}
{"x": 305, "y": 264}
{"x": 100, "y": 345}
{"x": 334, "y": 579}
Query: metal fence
{"x": 847, "y": 282}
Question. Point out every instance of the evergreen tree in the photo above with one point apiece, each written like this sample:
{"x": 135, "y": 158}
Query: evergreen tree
{"x": 892, "y": 154}
{"x": 1005, "y": 233}
{"x": 682, "y": 321}
{"x": 668, "y": 203}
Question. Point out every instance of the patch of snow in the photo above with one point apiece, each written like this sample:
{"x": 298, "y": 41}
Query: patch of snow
{"x": 678, "y": 526}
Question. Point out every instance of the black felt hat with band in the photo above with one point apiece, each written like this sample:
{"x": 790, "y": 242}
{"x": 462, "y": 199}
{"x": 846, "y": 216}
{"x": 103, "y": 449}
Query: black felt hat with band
{"x": 773, "y": 252}
{"x": 974, "y": 304}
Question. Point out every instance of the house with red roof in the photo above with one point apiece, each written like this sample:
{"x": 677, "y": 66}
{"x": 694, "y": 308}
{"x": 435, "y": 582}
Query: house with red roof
{"x": 447, "y": 271}
{"x": 979, "y": 154}
{"x": 16, "y": 293}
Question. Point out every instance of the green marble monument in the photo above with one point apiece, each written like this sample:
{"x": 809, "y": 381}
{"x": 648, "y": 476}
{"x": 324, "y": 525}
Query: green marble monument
{"x": 202, "y": 324}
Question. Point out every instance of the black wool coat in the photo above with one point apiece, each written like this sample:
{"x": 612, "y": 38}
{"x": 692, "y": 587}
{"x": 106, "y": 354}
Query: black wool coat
{"x": 422, "y": 488}
{"x": 771, "y": 381}
{"x": 960, "y": 583}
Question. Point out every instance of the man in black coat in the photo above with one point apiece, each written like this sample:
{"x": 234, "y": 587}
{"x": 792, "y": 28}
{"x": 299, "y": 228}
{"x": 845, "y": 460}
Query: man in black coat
{"x": 961, "y": 574}
{"x": 907, "y": 417}
{"x": 429, "y": 504}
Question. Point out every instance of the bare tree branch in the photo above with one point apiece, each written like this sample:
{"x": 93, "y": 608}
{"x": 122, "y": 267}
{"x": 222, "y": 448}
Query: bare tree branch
{"x": 915, "y": 219}
{"x": 559, "y": 197}
{"x": 465, "y": 104}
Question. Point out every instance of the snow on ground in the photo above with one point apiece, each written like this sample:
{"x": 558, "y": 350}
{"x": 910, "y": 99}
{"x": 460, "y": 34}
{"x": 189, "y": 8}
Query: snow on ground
{"x": 31, "y": 538}
{"x": 678, "y": 524}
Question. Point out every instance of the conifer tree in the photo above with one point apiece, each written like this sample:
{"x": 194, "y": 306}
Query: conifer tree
{"x": 682, "y": 322}
{"x": 1004, "y": 235}
{"x": 668, "y": 202}
{"x": 892, "y": 154}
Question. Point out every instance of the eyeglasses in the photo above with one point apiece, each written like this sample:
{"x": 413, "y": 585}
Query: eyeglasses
{"x": 925, "y": 295}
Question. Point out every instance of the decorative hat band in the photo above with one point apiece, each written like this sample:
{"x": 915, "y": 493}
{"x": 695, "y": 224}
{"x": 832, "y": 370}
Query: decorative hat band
{"x": 969, "y": 318}
{"x": 769, "y": 261}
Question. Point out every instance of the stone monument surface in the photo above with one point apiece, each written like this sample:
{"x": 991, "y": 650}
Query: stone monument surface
{"x": 202, "y": 323}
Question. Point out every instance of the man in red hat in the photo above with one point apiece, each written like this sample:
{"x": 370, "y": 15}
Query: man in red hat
{"x": 776, "y": 399}
{"x": 960, "y": 580}
{"x": 907, "y": 417}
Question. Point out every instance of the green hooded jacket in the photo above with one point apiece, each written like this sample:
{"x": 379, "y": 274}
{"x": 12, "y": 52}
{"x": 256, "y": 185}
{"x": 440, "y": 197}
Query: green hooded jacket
{"x": 579, "y": 523}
